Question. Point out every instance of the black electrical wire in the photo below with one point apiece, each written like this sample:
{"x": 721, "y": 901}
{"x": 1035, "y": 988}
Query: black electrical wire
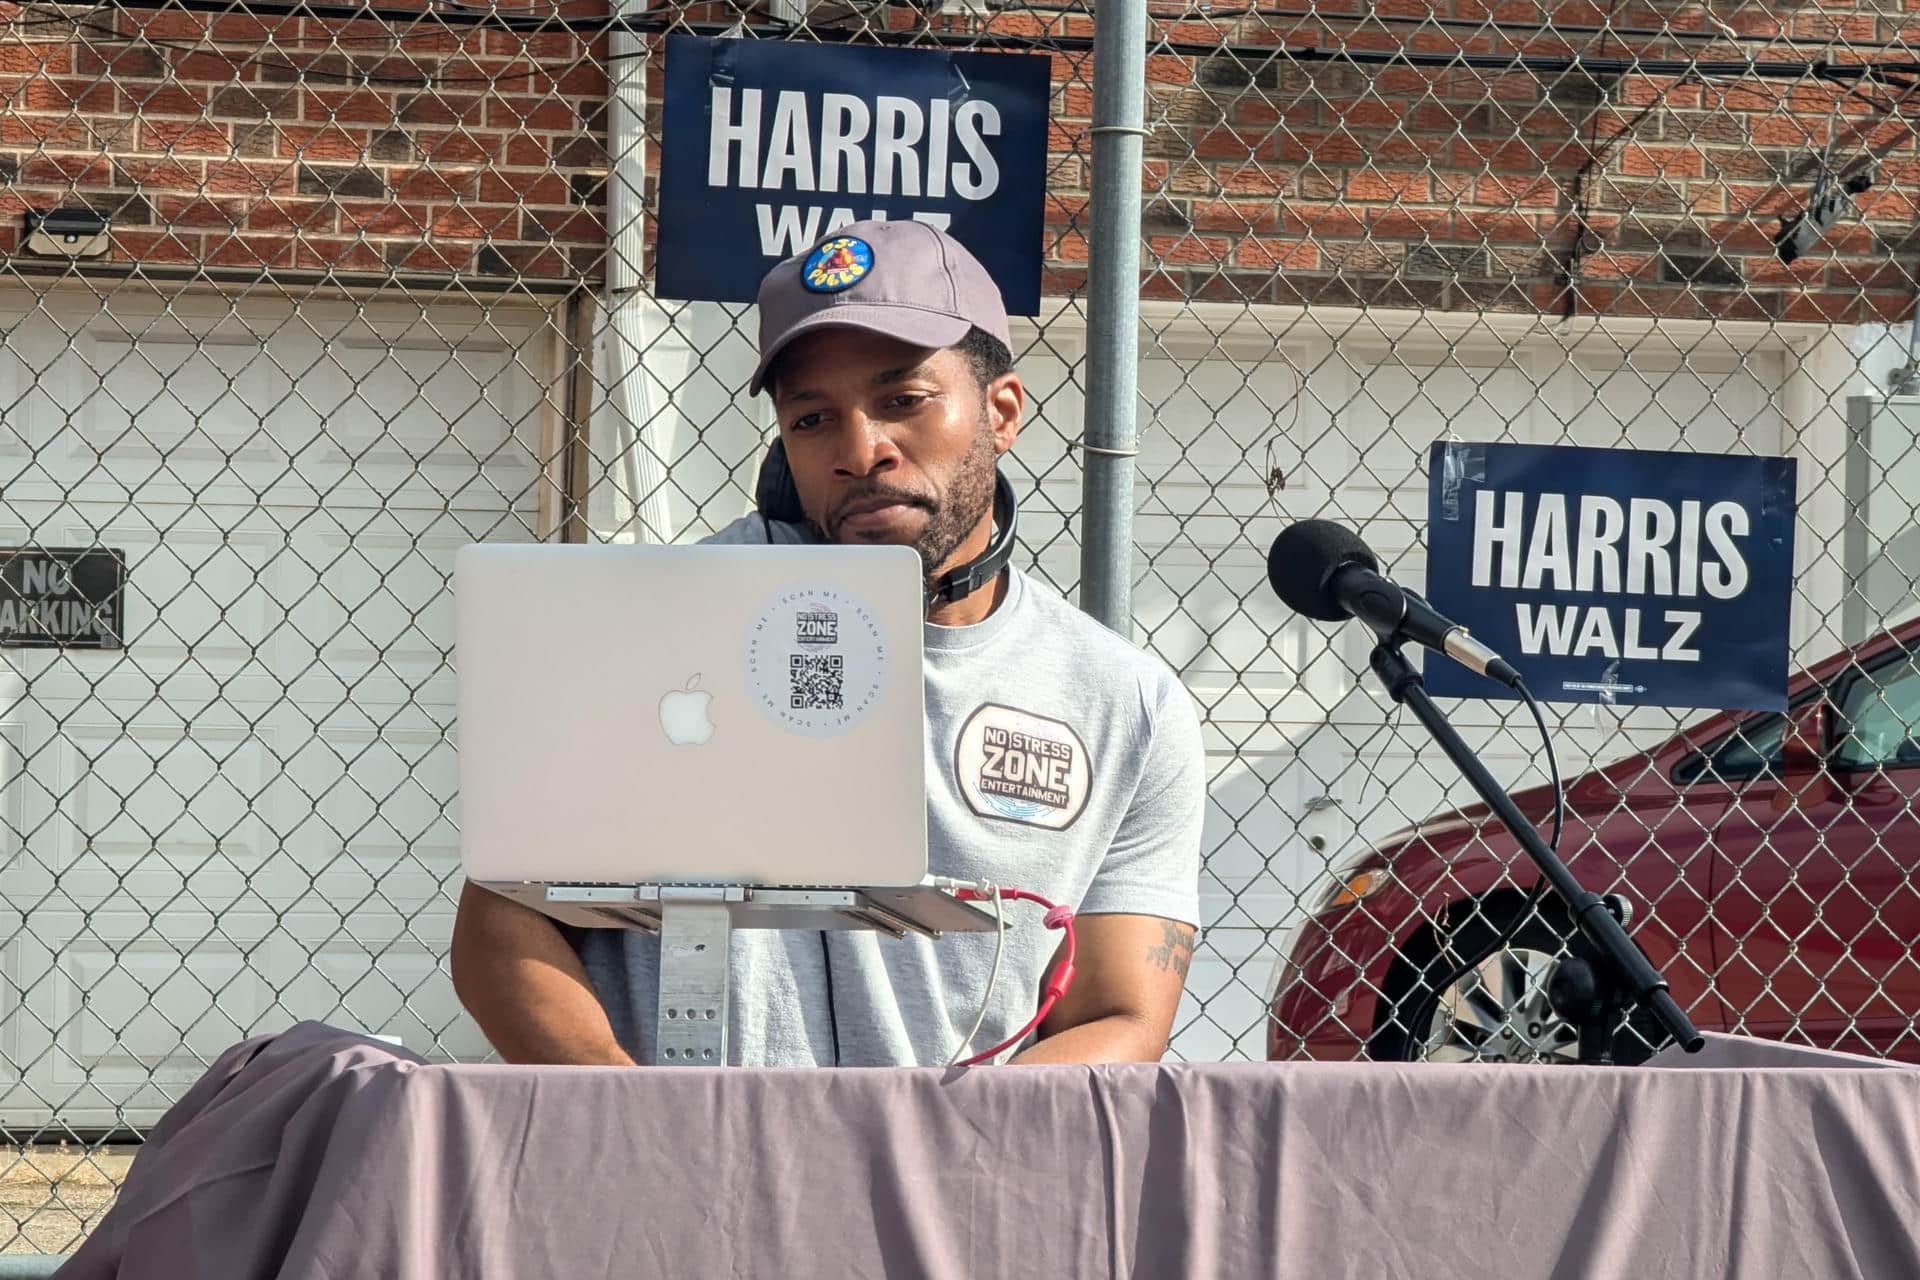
{"x": 239, "y": 59}
{"x": 1584, "y": 237}
{"x": 833, "y": 1012}
{"x": 1538, "y": 64}
{"x": 1514, "y": 926}
{"x": 490, "y": 19}
{"x": 1678, "y": 35}
{"x": 1509, "y": 63}
{"x": 1430, "y": 999}
{"x": 1577, "y": 249}
{"x": 518, "y": 18}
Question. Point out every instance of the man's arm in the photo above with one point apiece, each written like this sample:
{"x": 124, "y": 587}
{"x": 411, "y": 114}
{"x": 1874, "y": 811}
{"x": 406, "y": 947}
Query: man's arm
{"x": 1135, "y": 948}
{"x": 516, "y": 975}
{"x": 1128, "y": 978}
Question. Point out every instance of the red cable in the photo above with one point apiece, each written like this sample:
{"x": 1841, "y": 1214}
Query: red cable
{"x": 1058, "y": 917}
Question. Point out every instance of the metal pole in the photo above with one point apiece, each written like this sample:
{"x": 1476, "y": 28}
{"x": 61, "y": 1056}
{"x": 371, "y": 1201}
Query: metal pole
{"x": 631, "y": 324}
{"x": 1109, "y": 437}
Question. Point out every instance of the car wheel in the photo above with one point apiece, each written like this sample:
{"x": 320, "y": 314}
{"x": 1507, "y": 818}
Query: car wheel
{"x": 1498, "y": 1010}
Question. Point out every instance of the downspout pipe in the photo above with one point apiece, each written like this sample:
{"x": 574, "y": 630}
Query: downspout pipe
{"x": 1109, "y": 437}
{"x": 632, "y": 318}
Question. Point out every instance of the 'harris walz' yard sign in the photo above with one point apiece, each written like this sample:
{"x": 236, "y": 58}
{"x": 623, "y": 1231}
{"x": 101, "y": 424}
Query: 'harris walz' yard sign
{"x": 62, "y": 597}
{"x": 769, "y": 144}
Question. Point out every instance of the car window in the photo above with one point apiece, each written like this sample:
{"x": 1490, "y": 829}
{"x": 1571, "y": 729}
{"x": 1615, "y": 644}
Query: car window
{"x": 1748, "y": 752}
{"x": 1880, "y": 718}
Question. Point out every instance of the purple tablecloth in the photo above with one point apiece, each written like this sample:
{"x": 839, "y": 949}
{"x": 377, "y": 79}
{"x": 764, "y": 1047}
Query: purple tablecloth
{"x": 323, "y": 1154}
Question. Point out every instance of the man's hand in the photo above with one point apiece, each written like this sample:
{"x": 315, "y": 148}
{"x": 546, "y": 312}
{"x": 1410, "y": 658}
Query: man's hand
{"x": 1128, "y": 978}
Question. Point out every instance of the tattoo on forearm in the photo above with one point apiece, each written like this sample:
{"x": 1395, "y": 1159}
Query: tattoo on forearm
{"x": 1175, "y": 951}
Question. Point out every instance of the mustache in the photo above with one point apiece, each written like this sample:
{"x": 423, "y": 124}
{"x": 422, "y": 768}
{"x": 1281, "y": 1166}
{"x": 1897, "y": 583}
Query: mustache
{"x": 877, "y": 493}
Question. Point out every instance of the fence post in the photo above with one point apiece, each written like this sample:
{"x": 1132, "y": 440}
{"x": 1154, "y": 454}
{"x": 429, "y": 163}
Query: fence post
{"x": 1109, "y": 435}
{"x": 631, "y": 325}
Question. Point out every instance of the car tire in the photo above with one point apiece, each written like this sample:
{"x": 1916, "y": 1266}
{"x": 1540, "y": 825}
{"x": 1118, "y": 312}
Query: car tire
{"x": 1497, "y": 1012}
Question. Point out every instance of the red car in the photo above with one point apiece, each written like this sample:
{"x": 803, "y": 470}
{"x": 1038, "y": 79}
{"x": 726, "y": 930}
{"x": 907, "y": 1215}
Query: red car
{"x": 1770, "y": 864}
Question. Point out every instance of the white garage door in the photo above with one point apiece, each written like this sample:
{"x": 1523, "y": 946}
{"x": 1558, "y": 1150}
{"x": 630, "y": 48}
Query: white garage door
{"x": 243, "y": 819}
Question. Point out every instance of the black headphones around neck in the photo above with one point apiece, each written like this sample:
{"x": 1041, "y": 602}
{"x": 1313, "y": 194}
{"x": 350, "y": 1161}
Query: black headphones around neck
{"x": 777, "y": 499}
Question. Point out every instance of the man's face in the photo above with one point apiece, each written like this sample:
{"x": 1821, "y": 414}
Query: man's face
{"x": 892, "y": 443}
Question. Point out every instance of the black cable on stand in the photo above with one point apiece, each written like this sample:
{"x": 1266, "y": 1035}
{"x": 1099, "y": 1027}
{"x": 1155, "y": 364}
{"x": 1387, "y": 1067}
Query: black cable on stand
{"x": 1326, "y": 572}
{"x": 1606, "y": 972}
{"x": 1430, "y": 998}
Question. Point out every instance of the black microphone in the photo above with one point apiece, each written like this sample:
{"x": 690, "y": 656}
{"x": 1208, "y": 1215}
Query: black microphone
{"x": 1323, "y": 570}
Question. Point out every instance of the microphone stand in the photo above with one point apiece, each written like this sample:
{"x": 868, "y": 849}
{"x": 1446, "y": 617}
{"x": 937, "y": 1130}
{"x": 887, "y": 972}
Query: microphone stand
{"x": 1607, "y": 971}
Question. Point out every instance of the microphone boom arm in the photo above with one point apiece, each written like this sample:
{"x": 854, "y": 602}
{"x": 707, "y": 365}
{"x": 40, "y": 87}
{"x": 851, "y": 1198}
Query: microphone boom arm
{"x": 1623, "y": 971}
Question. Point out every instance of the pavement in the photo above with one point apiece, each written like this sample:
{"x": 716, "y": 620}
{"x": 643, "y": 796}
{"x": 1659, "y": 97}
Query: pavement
{"x": 52, "y": 1196}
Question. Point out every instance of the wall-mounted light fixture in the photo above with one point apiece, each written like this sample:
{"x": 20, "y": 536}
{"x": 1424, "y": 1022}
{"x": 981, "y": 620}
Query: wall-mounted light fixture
{"x": 72, "y": 231}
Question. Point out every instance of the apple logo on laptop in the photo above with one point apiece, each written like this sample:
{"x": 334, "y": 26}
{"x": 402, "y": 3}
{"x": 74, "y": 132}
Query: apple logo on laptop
{"x": 683, "y": 714}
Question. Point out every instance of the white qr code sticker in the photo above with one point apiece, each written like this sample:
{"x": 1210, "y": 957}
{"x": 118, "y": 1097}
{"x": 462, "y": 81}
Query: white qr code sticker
{"x": 816, "y": 661}
{"x": 818, "y": 681}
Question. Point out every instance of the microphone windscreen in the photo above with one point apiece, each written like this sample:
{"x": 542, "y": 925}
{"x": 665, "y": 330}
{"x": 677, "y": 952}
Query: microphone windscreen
{"x": 1302, "y": 561}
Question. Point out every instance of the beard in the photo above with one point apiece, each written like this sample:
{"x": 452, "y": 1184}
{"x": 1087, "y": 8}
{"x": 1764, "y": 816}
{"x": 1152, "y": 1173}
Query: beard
{"x": 952, "y": 516}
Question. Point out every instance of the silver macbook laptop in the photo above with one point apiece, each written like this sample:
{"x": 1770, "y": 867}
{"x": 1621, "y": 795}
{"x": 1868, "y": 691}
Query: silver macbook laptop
{"x": 697, "y": 715}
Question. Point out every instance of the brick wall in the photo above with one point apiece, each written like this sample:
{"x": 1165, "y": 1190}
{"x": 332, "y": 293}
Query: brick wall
{"x": 294, "y": 144}
{"x": 1272, "y": 179}
{"x": 377, "y": 146}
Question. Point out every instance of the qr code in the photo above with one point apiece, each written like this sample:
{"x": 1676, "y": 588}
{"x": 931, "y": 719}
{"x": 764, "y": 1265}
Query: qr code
{"x": 816, "y": 679}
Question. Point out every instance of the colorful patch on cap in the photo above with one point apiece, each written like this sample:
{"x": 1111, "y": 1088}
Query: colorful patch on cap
{"x": 840, "y": 263}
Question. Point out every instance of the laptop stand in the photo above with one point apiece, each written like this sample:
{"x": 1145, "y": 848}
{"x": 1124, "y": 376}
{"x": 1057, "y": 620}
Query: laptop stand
{"x": 695, "y": 924}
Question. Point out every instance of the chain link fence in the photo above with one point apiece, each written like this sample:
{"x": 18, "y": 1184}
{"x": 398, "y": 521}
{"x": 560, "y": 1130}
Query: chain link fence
{"x": 375, "y": 286}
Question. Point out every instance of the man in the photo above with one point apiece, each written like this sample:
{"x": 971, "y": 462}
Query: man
{"x": 886, "y": 353}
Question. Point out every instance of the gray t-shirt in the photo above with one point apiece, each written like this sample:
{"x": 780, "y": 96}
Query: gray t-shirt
{"x": 1109, "y": 823}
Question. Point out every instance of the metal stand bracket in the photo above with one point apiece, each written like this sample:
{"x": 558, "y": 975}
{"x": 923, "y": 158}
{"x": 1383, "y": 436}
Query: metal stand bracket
{"x": 695, "y": 924}
{"x": 695, "y": 927}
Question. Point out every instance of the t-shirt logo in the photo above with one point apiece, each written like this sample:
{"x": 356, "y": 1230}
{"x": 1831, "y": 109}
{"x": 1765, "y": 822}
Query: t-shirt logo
{"x": 1020, "y": 767}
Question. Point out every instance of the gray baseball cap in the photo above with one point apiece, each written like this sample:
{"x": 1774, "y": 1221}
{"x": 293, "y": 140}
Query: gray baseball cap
{"x": 906, "y": 280}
